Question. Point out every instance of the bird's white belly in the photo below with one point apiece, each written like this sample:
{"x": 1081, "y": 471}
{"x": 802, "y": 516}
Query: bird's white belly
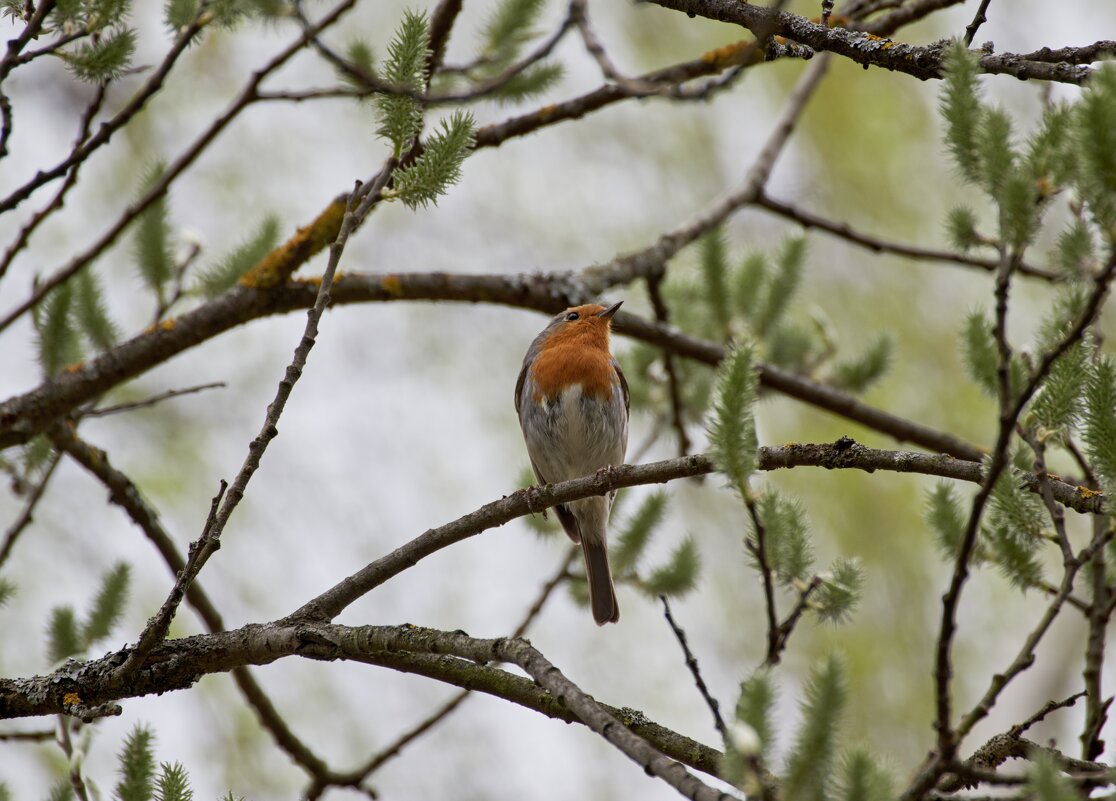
{"x": 581, "y": 435}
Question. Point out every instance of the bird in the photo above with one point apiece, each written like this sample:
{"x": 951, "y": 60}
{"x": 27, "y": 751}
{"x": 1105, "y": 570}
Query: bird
{"x": 572, "y": 401}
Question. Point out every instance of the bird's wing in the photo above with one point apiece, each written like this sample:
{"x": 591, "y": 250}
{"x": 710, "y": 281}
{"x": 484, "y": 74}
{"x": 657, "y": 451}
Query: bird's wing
{"x": 519, "y": 387}
{"x": 623, "y": 385}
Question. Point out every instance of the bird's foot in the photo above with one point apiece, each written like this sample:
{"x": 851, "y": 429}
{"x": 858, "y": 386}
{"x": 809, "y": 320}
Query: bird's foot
{"x": 534, "y": 502}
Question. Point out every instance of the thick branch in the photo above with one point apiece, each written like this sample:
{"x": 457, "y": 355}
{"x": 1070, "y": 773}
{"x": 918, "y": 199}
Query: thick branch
{"x": 843, "y": 454}
{"x": 23, "y": 416}
{"x": 869, "y": 49}
{"x": 445, "y": 656}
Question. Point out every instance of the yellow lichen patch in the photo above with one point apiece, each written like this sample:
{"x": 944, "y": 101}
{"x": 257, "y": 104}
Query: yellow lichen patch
{"x": 73, "y": 368}
{"x": 167, "y": 324}
{"x": 393, "y": 285}
{"x": 277, "y": 266}
{"x": 546, "y": 112}
{"x": 1085, "y": 492}
{"x": 71, "y": 699}
{"x": 727, "y": 56}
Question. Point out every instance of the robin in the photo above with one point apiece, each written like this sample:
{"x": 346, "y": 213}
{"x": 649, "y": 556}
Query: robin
{"x": 572, "y": 401}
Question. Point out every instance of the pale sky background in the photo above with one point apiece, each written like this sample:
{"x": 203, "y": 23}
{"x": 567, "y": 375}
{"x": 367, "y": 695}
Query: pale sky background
{"x": 404, "y": 420}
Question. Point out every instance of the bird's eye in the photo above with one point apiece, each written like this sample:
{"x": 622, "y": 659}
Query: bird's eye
{"x": 572, "y": 316}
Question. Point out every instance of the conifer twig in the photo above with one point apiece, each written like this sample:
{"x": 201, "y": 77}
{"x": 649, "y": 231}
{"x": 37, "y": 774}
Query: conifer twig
{"x": 248, "y": 95}
{"x": 109, "y": 127}
{"x": 1010, "y": 409}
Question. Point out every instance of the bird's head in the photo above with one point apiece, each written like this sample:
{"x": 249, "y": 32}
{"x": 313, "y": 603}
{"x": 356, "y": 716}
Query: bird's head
{"x": 582, "y": 325}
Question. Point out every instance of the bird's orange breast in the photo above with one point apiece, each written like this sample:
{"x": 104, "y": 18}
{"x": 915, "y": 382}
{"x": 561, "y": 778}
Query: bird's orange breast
{"x": 562, "y": 364}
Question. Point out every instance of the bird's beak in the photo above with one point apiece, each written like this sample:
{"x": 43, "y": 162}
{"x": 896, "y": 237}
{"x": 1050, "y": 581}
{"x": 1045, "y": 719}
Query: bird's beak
{"x": 611, "y": 310}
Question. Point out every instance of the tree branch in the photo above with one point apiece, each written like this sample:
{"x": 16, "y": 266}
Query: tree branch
{"x": 875, "y": 244}
{"x": 868, "y": 49}
{"x": 244, "y": 99}
{"x": 447, "y": 656}
{"x": 13, "y": 532}
{"x": 534, "y": 499}
{"x": 22, "y": 416}
{"x": 124, "y": 493}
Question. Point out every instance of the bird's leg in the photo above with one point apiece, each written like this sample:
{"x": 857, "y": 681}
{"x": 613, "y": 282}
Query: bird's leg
{"x": 607, "y": 472}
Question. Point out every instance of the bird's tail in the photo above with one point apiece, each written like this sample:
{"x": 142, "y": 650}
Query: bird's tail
{"x": 602, "y": 594}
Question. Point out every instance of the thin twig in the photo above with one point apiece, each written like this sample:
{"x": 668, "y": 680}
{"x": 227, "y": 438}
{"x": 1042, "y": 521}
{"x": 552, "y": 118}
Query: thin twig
{"x": 357, "y": 777}
{"x": 26, "y": 736}
{"x": 1026, "y": 656}
{"x": 62, "y": 737}
{"x": 1050, "y": 706}
{"x": 1074, "y": 55}
{"x": 7, "y": 124}
{"x": 1010, "y": 409}
{"x": 1096, "y": 706}
{"x": 124, "y": 493}
{"x": 786, "y": 628}
{"x": 109, "y": 127}
{"x": 981, "y": 767}
{"x": 695, "y": 671}
{"x": 157, "y": 627}
{"x": 1053, "y": 508}
{"x": 758, "y": 549}
{"x": 878, "y": 245}
{"x": 59, "y": 199}
{"x": 659, "y": 307}
{"x": 858, "y": 46}
{"x": 147, "y": 403}
{"x": 30, "y": 31}
{"x": 943, "y": 668}
{"x": 225, "y": 503}
{"x": 26, "y": 515}
{"x": 978, "y": 20}
{"x": 651, "y": 259}
{"x": 247, "y": 96}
